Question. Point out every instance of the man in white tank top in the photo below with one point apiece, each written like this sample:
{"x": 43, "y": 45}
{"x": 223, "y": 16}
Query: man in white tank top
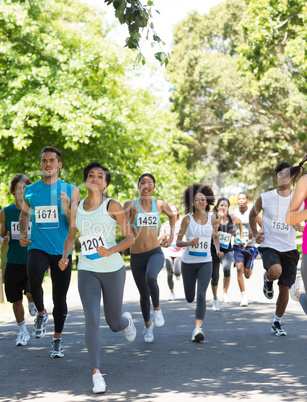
{"x": 278, "y": 246}
{"x": 243, "y": 251}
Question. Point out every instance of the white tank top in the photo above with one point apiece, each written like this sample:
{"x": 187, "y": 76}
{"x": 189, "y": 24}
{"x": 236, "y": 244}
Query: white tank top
{"x": 201, "y": 252}
{"x": 244, "y": 218}
{"x": 277, "y": 234}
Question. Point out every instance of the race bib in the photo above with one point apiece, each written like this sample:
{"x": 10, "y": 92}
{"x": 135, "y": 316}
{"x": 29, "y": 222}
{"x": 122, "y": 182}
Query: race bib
{"x": 224, "y": 238}
{"x": 15, "y": 233}
{"x": 47, "y": 217}
{"x": 201, "y": 250}
{"x": 89, "y": 243}
{"x": 280, "y": 227}
{"x": 149, "y": 219}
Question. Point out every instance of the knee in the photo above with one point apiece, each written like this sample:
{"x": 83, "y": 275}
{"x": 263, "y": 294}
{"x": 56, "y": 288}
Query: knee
{"x": 248, "y": 273}
{"x": 214, "y": 282}
{"x": 115, "y": 326}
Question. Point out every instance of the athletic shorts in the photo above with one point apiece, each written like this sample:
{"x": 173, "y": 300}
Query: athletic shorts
{"x": 243, "y": 254}
{"x": 15, "y": 282}
{"x": 288, "y": 261}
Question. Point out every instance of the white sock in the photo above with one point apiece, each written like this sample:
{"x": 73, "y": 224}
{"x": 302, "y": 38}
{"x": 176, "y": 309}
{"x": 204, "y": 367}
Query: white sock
{"x": 22, "y": 326}
{"x": 278, "y": 319}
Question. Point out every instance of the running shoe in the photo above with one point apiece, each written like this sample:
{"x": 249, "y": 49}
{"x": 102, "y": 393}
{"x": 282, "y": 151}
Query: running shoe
{"x": 216, "y": 305}
{"x": 171, "y": 296}
{"x": 32, "y": 309}
{"x": 22, "y": 338}
{"x": 198, "y": 335}
{"x": 99, "y": 383}
{"x": 298, "y": 286}
{"x": 148, "y": 333}
{"x": 244, "y": 301}
{"x": 39, "y": 328}
{"x": 268, "y": 290}
{"x": 277, "y": 329}
{"x": 56, "y": 348}
{"x": 158, "y": 318}
{"x": 130, "y": 331}
{"x": 226, "y": 298}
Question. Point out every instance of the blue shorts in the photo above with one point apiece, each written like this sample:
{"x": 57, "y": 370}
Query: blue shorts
{"x": 243, "y": 254}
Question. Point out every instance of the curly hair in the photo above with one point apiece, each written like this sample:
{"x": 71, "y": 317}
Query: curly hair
{"x": 191, "y": 191}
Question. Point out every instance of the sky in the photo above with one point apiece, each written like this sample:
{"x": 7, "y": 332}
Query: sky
{"x": 171, "y": 12}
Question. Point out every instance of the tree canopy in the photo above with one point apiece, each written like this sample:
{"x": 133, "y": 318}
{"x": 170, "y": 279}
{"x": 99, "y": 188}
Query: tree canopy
{"x": 64, "y": 84}
{"x": 239, "y": 124}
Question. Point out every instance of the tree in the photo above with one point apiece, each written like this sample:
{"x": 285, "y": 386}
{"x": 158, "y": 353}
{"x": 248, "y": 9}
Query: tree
{"x": 62, "y": 83}
{"x": 238, "y": 124}
{"x": 137, "y": 17}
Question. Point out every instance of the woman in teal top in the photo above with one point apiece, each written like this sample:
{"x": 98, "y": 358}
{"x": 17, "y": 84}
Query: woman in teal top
{"x": 101, "y": 268}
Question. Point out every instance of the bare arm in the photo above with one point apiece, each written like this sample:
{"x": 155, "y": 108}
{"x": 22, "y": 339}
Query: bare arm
{"x": 117, "y": 212}
{"x": 184, "y": 224}
{"x": 293, "y": 215}
{"x": 66, "y": 202}
{"x": 216, "y": 241}
{"x": 70, "y": 239}
{"x": 24, "y": 220}
{"x": 5, "y": 237}
{"x": 172, "y": 221}
{"x": 255, "y": 211}
{"x": 130, "y": 212}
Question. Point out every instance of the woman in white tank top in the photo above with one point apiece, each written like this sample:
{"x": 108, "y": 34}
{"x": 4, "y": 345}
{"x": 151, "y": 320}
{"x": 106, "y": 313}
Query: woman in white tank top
{"x": 196, "y": 262}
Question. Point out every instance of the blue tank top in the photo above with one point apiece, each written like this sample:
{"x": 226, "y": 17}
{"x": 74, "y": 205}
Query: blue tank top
{"x": 49, "y": 223}
{"x": 16, "y": 254}
{"x": 147, "y": 219}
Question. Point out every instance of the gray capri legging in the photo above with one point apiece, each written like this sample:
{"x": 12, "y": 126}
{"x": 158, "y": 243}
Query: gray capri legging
{"x": 145, "y": 268}
{"x": 303, "y": 297}
{"x": 191, "y": 273}
{"x": 90, "y": 285}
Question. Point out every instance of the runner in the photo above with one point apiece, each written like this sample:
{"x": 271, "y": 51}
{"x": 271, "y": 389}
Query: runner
{"x": 243, "y": 252}
{"x": 101, "y": 268}
{"x": 225, "y": 233}
{"x": 277, "y": 239}
{"x": 294, "y": 216}
{"x": 196, "y": 262}
{"x": 173, "y": 253}
{"x": 47, "y": 204}
{"x": 15, "y": 276}
{"x": 146, "y": 257}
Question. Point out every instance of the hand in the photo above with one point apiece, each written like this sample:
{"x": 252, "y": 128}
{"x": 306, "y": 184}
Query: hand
{"x": 167, "y": 242}
{"x": 6, "y": 239}
{"x": 250, "y": 235}
{"x": 220, "y": 215}
{"x": 297, "y": 227}
{"x": 24, "y": 241}
{"x": 65, "y": 201}
{"x": 194, "y": 242}
{"x": 103, "y": 252}
{"x": 233, "y": 232}
{"x": 220, "y": 254}
{"x": 63, "y": 263}
{"x": 260, "y": 237}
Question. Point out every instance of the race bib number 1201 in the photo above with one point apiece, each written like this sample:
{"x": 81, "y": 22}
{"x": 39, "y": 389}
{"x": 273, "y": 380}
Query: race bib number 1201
{"x": 89, "y": 244}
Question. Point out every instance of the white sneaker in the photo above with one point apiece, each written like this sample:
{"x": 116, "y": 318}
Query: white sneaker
{"x": 158, "y": 318}
{"x": 226, "y": 298}
{"x": 130, "y": 331}
{"x": 198, "y": 335}
{"x": 22, "y": 338}
{"x": 32, "y": 309}
{"x": 244, "y": 301}
{"x": 216, "y": 305}
{"x": 298, "y": 286}
{"x": 148, "y": 333}
{"x": 171, "y": 296}
{"x": 99, "y": 383}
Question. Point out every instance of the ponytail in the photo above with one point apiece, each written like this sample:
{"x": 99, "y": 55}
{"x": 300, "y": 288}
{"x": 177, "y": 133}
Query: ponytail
{"x": 296, "y": 170}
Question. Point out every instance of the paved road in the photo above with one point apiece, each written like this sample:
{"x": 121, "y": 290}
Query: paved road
{"x": 240, "y": 359}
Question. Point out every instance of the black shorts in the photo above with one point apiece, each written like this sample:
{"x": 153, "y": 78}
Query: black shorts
{"x": 15, "y": 282}
{"x": 287, "y": 260}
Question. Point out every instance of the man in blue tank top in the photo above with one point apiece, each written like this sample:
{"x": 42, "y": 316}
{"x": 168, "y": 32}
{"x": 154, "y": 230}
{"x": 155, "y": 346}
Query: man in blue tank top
{"x": 47, "y": 204}
{"x": 15, "y": 258}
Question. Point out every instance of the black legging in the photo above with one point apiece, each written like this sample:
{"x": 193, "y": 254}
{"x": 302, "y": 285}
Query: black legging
{"x": 37, "y": 264}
